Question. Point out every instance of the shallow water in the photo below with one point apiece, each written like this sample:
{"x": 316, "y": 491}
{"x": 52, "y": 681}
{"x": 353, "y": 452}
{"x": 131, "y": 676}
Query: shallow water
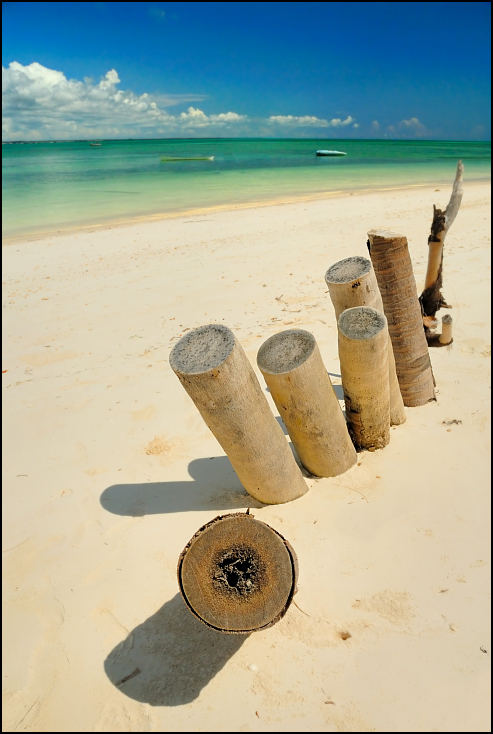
{"x": 54, "y": 186}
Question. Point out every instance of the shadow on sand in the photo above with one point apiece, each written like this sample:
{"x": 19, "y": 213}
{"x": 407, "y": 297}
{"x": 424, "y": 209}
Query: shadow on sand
{"x": 168, "y": 659}
{"x": 214, "y": 486}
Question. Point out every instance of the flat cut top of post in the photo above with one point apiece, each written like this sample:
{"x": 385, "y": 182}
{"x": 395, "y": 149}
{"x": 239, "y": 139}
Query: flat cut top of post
{"x": 447, "y": 319}
{"x": 285, "y": 351}
{"x": 361, "y": 322}
{"x": 345, "y": 271}
{"x": 202, "y": 349}
{"x": 385, "y": 234}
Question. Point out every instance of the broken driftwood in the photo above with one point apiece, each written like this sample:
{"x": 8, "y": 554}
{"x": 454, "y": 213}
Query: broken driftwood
{"x": 431, "y": 299}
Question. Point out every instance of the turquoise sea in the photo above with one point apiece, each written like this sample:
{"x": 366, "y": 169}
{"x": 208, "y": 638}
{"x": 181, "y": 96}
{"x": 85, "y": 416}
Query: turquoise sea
{"x": 49, "y": 187}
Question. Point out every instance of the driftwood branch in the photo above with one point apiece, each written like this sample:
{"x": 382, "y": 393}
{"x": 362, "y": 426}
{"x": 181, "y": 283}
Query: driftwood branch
{"x": 431, "y": 299}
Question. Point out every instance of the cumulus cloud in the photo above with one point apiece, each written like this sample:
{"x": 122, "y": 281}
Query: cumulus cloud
{"x": 309, "y": 121}
{"x": 375, "y": 126}
{"x": 406, "y": 128}
{"x": 40, "y": 103}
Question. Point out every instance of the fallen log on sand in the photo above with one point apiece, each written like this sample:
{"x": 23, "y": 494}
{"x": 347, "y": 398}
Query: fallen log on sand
{"x": 238, "y": 575}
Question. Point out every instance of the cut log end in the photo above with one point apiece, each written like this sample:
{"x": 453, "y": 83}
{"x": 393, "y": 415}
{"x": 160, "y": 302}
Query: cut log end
{"x": 237, "y": 575}
{"x": 285, "y": 351}
{"x": 202, "y": 349}
{"x": 345, "y": 271}
{"x": 362, "y": 322}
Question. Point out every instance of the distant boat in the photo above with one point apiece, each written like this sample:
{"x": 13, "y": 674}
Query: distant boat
{"x": 329, "y": 152}
{"x": 169, "y": 158}
{"x": 95, "y": 143}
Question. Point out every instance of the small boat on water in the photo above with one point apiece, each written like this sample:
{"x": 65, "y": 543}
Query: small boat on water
{"x": 170, "y": 158}
{"x": 95, "y": 142}
{"x": 329, "y": 152}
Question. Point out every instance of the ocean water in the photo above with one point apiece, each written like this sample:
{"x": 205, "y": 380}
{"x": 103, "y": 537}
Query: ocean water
{"x": 49, "y": 187}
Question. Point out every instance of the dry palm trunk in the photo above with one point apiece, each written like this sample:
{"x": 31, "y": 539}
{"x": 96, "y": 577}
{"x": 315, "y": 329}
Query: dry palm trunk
{"x": 363, "y": 340}
{"x": 431, "y": 299}
{"x": 392, "y": 264}
{"x": 300, "y": 386}
{"x": 351, "y": 282}
{"x": 238, "y": 575}
{"x": 214, "y": 370}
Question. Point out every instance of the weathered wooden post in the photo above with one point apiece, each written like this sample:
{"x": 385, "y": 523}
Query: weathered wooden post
{"x": 351, "y": 283}
{"x": 214, "y": 370}
{"x": 393, "y": 269}
{"x": 302, "y": 391}
{"x": 446, "y": 335}
{"x": 238, "y": 575}
{"x": 365, "y": 375}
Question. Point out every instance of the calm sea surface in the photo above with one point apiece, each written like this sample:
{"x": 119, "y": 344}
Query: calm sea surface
{"x": 54, "y": 186}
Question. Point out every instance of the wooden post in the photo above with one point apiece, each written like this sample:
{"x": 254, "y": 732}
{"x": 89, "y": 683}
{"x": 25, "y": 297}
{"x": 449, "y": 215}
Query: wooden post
{"x": 446, "y": 335}
{"x": 392, "y": 264}
{"x": 431, "y": 299}
{"x": 214, "y": 370}
{"x": 351, "y": 282}
{"x": 238, "y": 575}
{"x": 302, "y": 391}
{"x": 365, "y": 376}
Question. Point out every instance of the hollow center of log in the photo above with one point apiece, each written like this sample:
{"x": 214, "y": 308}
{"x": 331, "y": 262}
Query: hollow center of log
{"x": 202, "y": 349}
{"x": 237, "y": 571}
{"x": 285, "y": 351}
{"x": 361, "y": 322}
{"x": 348, "y": 270}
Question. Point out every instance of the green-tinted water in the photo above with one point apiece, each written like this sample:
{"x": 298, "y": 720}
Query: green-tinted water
{"x": 53, "y": 186}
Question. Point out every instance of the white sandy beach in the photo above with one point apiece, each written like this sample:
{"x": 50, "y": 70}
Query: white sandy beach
{"x": 109, "y": 470}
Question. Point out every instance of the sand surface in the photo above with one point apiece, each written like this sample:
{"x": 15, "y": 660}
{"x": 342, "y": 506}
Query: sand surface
{"x": 109, "y": 470}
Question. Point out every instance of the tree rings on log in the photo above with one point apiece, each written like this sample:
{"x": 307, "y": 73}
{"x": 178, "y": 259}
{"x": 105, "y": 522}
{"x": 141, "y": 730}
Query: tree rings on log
{"x": 238, "y": 575}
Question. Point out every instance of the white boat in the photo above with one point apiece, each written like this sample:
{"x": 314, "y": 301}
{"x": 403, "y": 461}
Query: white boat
{"x": 330, "y": 152}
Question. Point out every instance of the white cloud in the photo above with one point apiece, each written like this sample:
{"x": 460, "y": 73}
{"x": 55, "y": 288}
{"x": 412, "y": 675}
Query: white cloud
{"x": 406, "y": 128}
{"x": 40, "y": 103}
{"x": 375, "y": 125}
{"x": 309, "y": 121}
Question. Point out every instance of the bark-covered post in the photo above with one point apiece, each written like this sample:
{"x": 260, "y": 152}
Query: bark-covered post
{"x": 214, "y": 370}
{"x": 302, "y": 391}
{"x": 431, "y": 299}
{"x": 393, "y": 269}
{"x": 365, "y": 377}
{"x": 238, "y": 575}
{"x": 351, "y": 282}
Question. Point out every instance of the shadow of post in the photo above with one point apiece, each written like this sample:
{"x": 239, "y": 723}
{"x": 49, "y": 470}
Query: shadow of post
{"x": 168, "y": 659}
{"x": 215, "y": 486}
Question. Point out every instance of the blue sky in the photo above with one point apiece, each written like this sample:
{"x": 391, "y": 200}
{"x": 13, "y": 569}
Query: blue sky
{"x": 340, "y": 69}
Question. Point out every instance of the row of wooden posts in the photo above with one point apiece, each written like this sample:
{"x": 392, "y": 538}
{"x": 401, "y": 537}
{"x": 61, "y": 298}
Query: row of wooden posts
{"x": 238, "y": 575}
{"x": 385, "y": 366}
